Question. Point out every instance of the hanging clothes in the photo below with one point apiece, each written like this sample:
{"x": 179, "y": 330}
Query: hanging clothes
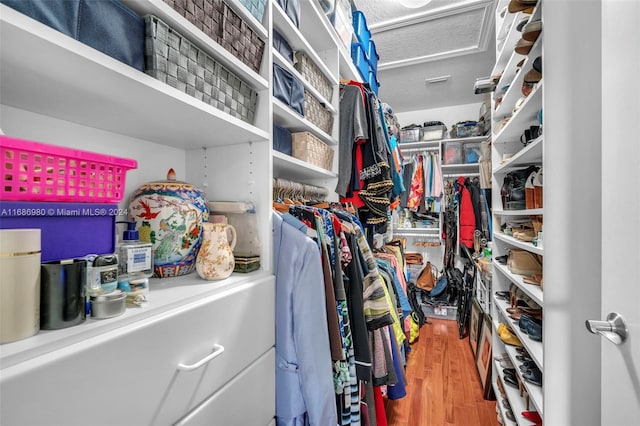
{"x": 304, "y": 388}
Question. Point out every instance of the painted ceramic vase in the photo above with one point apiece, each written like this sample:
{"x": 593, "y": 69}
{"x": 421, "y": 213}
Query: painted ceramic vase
{"x": 215, "y": 260}
{"x": 170, "y": 214}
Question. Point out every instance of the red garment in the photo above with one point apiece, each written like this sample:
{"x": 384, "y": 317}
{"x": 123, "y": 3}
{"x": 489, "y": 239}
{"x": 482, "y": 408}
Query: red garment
{"x": 381, "y": 414}
{"x": 355, "y": 199}
{"x": 467, "y": 216}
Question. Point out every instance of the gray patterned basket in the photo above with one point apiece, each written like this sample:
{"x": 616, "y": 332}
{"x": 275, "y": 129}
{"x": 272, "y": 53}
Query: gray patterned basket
{"x": 317, "y": 114}
{"x": 311, "y": 72}
{"x": 217, "y": 20}
{"x": 172, "y": 59}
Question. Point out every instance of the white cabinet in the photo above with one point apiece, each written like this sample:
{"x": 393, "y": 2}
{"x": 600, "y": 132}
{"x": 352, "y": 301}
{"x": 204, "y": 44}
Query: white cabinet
{"x": 125, "y": 370}
{"x": 512, "y": 113}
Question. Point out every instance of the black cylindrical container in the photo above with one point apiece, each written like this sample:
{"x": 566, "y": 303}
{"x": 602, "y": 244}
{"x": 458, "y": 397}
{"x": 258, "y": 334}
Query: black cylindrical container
{"x": 62, "y": 297}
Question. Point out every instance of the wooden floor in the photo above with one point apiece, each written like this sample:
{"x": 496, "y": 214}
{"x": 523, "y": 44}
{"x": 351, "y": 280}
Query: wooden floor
{"x": 443, "y": 383}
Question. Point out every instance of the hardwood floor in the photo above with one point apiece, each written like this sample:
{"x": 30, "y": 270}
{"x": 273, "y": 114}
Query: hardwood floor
{"x": 443, "y": 384}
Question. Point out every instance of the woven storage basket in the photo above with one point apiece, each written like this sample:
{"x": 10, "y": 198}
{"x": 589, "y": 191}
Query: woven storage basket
{"x": 255, "y": 7}
{"x": 172, "y": 59}
{"x": 307, "y": 147}
{"x": 217, "y": 20}
{"x": 311, "y": 72}
{"x": 317, "y": 114}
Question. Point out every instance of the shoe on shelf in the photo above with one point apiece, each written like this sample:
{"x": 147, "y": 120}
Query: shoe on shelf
{"x": 525, "y": 320}
{"x": 523, "y": 262}
{"x": 534, "y": 330}
{"x": 537, "y": 188}
{"x": 533, "y": 376}
{"x": 507, "y": 335}
{"x": 534, "y": 75}
{"x": 532, "y": 416}
{"x": 523, "y": 47}
{"x": 526, "y": 365}
{"x": 512, "y": 380}
{"x": 535, "y": 279}
{"x": 531, "y": 30}
{"x": 503, "y": 295}
{"x": 524, "y": 6}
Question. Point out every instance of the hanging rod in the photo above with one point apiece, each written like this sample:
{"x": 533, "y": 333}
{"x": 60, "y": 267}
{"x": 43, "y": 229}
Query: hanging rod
{"x": 419, "y": 149}
{"x": 456, "y": 175}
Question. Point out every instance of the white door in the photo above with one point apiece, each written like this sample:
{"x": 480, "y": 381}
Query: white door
{"x": 621, "y": 208}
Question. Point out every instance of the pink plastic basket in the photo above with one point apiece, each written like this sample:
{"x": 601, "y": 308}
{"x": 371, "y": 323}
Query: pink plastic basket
{"x": 33, "y": 171}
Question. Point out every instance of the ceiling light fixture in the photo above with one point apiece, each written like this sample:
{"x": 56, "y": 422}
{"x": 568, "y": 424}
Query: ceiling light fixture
{"x": 440, "y": 79}
{"x": 414, "y": 4}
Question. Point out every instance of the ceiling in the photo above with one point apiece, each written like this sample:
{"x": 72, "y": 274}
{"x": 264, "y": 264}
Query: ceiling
{"x": 444, "y": 38}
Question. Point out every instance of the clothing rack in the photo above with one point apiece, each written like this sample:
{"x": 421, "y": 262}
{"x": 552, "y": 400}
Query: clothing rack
{"x": 287, "y": 189}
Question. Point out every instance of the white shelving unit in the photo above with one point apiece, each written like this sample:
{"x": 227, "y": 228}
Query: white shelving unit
{"x": 509, "y": 124}
{"x": 317, "y": 39}
{"x": 56, "y": 90}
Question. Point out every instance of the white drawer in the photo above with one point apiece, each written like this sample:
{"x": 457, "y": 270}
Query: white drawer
{"x": 130, "y": 376}
{"x": 249, "y": 399}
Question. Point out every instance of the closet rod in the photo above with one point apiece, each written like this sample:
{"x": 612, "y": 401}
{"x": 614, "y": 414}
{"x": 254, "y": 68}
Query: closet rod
{"x": 456, "y": 175}
{"x": 419, "y": 149}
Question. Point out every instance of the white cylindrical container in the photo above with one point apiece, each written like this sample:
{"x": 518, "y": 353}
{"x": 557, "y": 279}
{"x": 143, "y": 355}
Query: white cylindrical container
{"x": 19, "y": 284}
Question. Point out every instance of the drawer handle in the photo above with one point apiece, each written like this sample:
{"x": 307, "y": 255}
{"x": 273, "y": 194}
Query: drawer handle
{"x": 218, "y": 350}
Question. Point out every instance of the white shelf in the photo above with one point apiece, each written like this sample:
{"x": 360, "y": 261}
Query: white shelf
{"x": 515, "y": 87}
{"x": 533, "y": 347}
{"x": 530, "y": 154}
{"x": 288, "y": 167}
{"x": 500, "y": 404}
{"x": 505, "y": 53}
{"x": 286, "y": 117}
{"x": 535, "y": 392}
{"x": 527, "y": 212}
{"x": 164, "y": 294}
{"x": 280, "y": 60}
{"x": 185, "y": 28}
{"x": 515, "y": 400}
{"x": 297, "y": 41}
{"x": 532, "y": 290}
{"x": 121, "y": 99}
{"x": 523, "y": 118}
{"x": 417, "y": 232}
{"x": 517, "y": 243}
{"x": 461, "y": 169}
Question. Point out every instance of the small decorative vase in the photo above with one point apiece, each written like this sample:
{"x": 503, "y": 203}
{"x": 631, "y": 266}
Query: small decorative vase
{"x": 170, "y": 214}
{"x": 215, "y": 260}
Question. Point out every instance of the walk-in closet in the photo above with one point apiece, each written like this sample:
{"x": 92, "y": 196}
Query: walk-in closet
{"x": 319, "y": 212}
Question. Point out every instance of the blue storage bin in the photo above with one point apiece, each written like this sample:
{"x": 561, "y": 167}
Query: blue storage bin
{"x": 292, "y": 9}
{"x": 106, "y": 25}
{"x": 288, "y": 89}
{"x": 360, "y": 27}
{"x": 372, "y": 55}
{"x": 373, "y": 81}
{"x": 359, "y": 59}
{"x": 282, "y": 46}
{"x": 282, "y": 140}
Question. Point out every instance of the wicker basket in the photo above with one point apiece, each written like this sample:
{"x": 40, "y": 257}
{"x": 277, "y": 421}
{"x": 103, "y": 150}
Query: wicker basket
{"x": 313, "y": 75}
{"x": 317, "y": 114}
{"x": 217, "y": 20}
{"x": 172, "y": 59}
{"x": 307, "y": 147}
{"x": 255, "y": 7}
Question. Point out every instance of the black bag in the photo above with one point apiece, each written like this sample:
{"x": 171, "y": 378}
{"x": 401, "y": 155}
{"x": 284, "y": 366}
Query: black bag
{"x": 512, "y": 190}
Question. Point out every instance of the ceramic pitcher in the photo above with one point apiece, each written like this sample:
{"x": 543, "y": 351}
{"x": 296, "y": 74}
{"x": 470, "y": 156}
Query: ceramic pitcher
{"x": 215, "y": 260}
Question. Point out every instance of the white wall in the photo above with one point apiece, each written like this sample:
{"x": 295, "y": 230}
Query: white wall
{"x": 448, "y": 115}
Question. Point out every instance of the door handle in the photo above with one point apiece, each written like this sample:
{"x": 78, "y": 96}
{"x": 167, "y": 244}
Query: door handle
{"x": 190, "y": 367}
{"x": 614, "y": 328}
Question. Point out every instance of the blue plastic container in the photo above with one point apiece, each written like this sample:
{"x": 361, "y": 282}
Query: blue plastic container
{"x": 373, "y": 81}
{"x": 360, "y": 28}
{"x": 372, "y": 56}
{"x": 359, "y": 59}
{"x": 68, "y": 230}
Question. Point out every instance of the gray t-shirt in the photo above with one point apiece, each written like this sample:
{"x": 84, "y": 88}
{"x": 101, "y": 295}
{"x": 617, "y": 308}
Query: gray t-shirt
{"x": 353, "y": 126}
